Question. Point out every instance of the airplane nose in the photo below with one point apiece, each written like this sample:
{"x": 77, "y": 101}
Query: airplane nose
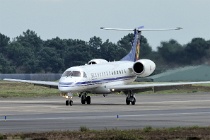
{"x": 65, "y": 86}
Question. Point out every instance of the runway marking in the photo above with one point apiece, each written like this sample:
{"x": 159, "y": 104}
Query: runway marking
{"x": 102, "y": 117}
{"x": 167, "y": 114}
{"x": 186, "y": 101}
{"x": 29, "y": 101}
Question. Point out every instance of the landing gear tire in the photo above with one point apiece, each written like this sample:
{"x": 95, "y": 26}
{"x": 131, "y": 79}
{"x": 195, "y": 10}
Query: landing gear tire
{"x": 67, "y": 102}
{"x": 69, "y": 98}
{"x": 127, "y": 101}
{"x": 83, "y": 99}
{"x": 130, "y": 99}
{"x": 88, "y": 99}
{"x": 70, "y": 102}
{"x": 134, "y": 101}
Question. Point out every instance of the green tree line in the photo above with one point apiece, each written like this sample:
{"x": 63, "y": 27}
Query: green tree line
{"x": 28, "y": 53}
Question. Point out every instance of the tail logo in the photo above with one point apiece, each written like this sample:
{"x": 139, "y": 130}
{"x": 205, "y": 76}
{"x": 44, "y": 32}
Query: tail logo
{"x": 137, "y": 50}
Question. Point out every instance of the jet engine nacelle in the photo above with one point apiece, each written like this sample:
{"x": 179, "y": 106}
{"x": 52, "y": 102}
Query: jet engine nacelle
{"x": 97, "y": 61}
{"x": 144, "y": 67}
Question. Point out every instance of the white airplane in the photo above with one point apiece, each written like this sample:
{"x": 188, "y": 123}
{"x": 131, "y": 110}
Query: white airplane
{"x": 102, "y": 77}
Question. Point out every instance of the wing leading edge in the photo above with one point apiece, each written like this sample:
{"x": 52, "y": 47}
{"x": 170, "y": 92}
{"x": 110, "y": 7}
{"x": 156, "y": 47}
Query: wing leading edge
{"x": 153, "y": 85}
{"x": 41, "y": 83}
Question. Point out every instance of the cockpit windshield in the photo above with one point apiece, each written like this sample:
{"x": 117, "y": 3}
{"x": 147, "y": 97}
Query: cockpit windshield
{"x": 72, "y": 74}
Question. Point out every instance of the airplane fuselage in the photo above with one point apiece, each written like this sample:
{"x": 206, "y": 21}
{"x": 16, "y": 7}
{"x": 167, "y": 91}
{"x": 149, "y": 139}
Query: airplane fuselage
{"x": 97, "y": 78}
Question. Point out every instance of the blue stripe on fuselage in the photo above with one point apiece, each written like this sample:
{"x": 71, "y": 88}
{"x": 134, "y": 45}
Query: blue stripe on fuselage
{"x": 86, "y": 83}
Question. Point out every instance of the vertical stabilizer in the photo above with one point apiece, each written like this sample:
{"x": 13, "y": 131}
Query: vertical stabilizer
{"x": 133, "y": 55}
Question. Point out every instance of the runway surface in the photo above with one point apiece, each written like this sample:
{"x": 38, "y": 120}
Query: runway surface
{"x": 156, "y": 110}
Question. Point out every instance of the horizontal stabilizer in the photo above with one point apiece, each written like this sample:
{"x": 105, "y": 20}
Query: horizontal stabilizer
{"x": 117, "y": 29}
{"x": 141, "y": 29}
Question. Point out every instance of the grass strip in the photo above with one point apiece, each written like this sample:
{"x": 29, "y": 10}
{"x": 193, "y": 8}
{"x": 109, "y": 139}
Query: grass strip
{"x": 15, "y": 89}
{"x": 147, "y": 133}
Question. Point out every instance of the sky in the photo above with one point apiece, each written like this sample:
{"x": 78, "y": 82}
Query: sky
{"x": 82, "y": 19}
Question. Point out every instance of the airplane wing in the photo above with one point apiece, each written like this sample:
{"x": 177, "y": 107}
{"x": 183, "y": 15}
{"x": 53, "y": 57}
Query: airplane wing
{"x": 137, "y": 87}
{"x": 41, "y": 83}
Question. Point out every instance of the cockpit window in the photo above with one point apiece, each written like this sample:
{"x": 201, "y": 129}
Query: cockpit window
{"x": 72, "y": 74}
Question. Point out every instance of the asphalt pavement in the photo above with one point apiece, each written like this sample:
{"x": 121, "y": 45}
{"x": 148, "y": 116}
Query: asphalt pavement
{"x": 111, "y": 112}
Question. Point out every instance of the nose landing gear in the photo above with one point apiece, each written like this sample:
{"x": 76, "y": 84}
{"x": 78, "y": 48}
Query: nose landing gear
{"x": 69, "y": 100}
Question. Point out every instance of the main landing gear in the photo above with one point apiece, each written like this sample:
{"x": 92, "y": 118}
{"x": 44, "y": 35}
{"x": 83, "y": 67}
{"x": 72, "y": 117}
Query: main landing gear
{"x": 85, "y": 98}
{"x": 130, "y": 98}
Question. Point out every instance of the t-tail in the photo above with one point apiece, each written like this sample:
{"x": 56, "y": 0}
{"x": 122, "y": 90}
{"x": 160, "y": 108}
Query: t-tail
{"x": 134, "y": 53}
